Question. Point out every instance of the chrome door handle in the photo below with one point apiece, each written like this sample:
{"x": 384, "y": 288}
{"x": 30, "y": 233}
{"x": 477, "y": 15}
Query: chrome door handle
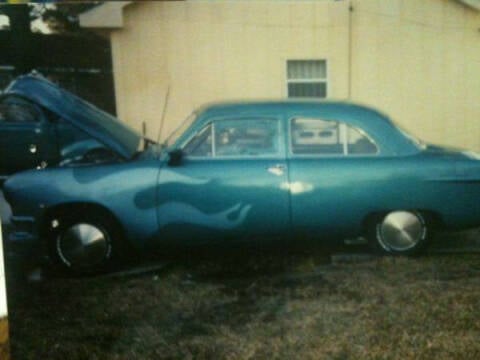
{"x": 32, "y": 148}
{"x": 277, "y": 169}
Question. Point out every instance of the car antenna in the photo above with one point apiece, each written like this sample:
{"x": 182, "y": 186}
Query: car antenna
{"x": 164, "y": 111}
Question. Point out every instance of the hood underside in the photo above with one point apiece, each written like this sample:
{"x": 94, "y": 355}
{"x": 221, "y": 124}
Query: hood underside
{"x": 100, "y": 125}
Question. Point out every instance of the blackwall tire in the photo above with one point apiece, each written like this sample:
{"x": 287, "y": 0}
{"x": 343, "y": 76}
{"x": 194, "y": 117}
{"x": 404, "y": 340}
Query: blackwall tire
{"x": 85, "y": 244}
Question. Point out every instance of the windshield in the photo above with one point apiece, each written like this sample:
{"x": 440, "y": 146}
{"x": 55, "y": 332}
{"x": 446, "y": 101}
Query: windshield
{"x": 175, "y": 135}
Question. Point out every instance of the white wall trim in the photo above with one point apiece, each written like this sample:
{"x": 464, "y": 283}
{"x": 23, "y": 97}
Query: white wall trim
{"x": 3, "y": 289}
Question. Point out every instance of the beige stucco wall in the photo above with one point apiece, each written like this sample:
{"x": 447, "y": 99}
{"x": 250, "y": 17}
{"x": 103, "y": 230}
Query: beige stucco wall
{"x": 216, "y": 50}
{"x": 417, "y": 60}
{"x": 420, "y": 62}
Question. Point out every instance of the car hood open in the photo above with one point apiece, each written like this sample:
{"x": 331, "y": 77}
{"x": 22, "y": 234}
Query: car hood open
{"x": 97, "y": 123}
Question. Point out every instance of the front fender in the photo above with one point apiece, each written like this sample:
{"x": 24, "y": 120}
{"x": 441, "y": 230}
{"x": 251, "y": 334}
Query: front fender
{"x": 127, "y": 190}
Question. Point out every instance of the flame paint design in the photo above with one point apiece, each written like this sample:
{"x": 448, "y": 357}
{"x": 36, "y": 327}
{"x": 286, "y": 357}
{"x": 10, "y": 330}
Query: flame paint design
{"x": 183, "y": 213}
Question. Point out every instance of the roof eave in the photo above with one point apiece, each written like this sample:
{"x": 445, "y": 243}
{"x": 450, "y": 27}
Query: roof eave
{"x": 108, "y": 15}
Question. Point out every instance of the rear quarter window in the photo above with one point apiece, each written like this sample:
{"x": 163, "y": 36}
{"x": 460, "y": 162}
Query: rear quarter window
{"x": 310, "y": 136}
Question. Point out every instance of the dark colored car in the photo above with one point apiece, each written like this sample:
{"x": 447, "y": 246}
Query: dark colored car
{"x": 33, "y": 136}
{"x": 236, "y": 173}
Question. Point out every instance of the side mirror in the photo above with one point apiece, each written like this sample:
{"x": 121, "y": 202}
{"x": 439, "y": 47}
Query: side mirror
{"x": 175, "y": 157}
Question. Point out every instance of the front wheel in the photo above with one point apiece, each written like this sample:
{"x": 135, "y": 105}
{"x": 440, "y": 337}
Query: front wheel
{"x": 84, "y": 245}
{"x": 400, "y": 233}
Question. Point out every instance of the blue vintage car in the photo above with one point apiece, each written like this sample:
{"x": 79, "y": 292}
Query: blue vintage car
{"x": 32, "y": 136}
{"x": 236, "y": 173}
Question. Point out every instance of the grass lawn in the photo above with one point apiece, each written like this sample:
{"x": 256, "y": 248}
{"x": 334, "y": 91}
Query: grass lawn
{"x": 295, "y": 306}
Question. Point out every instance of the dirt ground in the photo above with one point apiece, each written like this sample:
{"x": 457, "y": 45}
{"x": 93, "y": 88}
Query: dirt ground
{"x": 4, "y": 346}
{"x": 257, "y": 306}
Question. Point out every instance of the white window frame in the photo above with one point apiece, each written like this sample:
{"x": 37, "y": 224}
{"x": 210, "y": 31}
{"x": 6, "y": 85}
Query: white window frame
{"x": 307, "y": 80}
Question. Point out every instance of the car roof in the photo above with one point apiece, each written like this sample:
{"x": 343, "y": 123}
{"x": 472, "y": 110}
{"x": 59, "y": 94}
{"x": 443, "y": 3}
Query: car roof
{"x": 285, "y": 105}
{"x": 377, "y": 124}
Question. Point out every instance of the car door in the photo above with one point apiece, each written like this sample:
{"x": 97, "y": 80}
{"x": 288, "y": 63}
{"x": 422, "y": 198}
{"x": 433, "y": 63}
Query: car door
{"x": 27, "y": 138}
{"x": 334, "y": 177}
{"x": 229, "y": 184}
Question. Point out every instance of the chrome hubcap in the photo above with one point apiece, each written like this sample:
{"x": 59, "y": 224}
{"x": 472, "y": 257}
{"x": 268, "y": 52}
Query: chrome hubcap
{"x": 401, "y": 231}
{"x": 83, "y": 245}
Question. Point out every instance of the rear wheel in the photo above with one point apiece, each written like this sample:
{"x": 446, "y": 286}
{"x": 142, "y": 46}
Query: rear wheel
{"x": 399, "y": 233}
{"x": 84, "y": 244}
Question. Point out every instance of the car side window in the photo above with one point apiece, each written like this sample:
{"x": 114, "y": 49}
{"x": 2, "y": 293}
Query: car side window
{"x": 235, "y": 138}
{"x": 325, "y": 137}
{"x": 246, "y": 137}
{"x": 17, "y": 110}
